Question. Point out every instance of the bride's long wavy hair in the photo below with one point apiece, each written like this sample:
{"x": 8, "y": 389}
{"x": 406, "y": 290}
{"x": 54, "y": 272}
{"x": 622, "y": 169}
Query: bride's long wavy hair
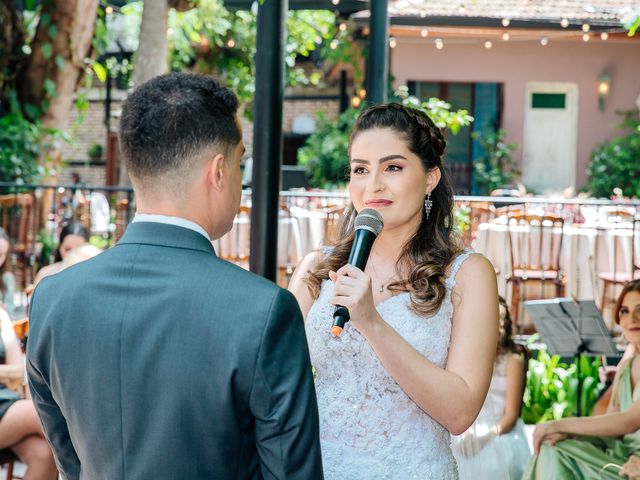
{"x": 435, "y": 244}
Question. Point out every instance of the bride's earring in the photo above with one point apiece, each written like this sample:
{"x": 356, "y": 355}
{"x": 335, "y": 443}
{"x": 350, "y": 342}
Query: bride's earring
{"x": 428, "y": 203}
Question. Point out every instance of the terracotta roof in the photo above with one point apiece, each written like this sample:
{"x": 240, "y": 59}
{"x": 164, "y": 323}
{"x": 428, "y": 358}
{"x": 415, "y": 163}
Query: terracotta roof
{"x": 604, "y": 13}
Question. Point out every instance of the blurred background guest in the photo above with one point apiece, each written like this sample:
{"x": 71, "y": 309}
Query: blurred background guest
{"x": 7, "y": 280}
{"x": 72, "y": 235}
{"x": 20, "y": 428}
{"x": 495, "y": 445}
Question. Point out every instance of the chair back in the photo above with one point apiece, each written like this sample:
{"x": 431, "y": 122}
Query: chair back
{"x": 334, "y": 214}
{"x": 19, "y": 220}
{"x": 479, "y": 212}
{"x": 535, "y": 242}
{"x": 620, "y": 225}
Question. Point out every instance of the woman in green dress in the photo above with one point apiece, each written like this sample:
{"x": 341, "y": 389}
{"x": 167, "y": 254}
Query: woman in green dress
{"x": 604, "y": 446}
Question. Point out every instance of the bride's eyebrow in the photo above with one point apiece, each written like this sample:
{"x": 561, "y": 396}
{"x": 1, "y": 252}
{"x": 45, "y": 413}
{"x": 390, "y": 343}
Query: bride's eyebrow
{"x": 387, "y": 158}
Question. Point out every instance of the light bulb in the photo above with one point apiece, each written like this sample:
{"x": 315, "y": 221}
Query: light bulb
{"x": 505, "y": 36}
{"x": 424, "y": 32}
{"x": 564, "y": 23}
{"x": 505, "y": 22}
{"x": 604, "y": 35}
{"x": 488, "y": 44}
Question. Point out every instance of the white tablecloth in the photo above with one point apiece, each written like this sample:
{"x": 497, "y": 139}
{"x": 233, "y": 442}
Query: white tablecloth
{"x": 585, "y": 253}
{"x": 236, "y": 243}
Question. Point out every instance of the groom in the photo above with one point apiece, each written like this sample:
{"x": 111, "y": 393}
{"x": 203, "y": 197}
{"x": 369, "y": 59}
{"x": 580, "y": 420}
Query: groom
{"x": 157, "y": 359}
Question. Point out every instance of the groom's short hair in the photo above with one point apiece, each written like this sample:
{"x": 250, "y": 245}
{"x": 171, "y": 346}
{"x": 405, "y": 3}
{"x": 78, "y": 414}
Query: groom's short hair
{"x": 170, "y": 121}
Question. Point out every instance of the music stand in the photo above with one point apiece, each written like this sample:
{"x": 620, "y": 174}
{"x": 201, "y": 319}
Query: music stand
{"x": 571, "y": 328}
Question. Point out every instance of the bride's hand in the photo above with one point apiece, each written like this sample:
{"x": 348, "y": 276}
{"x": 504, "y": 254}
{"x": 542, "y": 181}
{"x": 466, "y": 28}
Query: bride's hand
{"x": 352, "y": 290}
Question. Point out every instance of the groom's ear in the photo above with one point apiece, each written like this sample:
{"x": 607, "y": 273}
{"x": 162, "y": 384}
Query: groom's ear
{"x": 216, "y": 172}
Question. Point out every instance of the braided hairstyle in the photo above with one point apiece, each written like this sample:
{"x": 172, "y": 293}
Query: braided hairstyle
{"x": 428, "y": 253}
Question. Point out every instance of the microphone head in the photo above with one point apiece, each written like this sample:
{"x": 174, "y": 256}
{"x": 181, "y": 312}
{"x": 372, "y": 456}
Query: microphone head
{"x": 369, "y": 219}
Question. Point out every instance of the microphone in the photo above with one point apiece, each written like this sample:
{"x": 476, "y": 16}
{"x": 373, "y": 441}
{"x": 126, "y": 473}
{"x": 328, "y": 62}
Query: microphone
{"x": 368, "y": 225}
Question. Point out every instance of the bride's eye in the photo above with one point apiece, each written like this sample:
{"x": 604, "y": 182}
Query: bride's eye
{"x": 624, "y": 311}
{"x": 394, "y": 168}
{"x": 358, "y": 170}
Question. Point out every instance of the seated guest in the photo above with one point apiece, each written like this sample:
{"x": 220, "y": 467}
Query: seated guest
{"x": 7, "y": 280}
{"x": 600, "y": 446}
{"x": 495, "y": 445}
{"x": 20, "y": 428}
{"x": 77, "y": 255}
{"x": 72, "y": 235}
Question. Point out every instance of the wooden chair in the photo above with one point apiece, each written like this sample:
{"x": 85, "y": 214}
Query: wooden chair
{"x": 627, "y": 222}
{"x": 535, "y": 243}
{"x": 20, "y": 223}
{"x": 122, "y": 214}
{"x": 7, "y": 459}
{"x": 334, "y": 215}
{"x": 479, "y": 212}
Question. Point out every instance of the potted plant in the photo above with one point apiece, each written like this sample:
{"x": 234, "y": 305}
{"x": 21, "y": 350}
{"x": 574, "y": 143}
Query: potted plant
{"x": 95, "y": 151}
{"x": 614, "y": 165}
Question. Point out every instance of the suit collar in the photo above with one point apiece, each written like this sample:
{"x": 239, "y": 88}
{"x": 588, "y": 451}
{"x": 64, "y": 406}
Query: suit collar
{"x": 165, "y": 235}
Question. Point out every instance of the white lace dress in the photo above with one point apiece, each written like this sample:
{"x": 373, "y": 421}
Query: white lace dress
{"x": 369, "y": 428}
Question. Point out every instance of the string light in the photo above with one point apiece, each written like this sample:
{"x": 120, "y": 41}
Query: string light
{"x": 362, "y": 93}
{"x": 109, "y": 9}
{"x": 439, "y": 43}
{"x": 392, "y": 43}
{"x": 585, "y": 37}
{"x": 505, "y": 22}
{"x": 343, "y": 27}
{"x": 334, "y": 44}
{"x": 355, "y": 102}
{"x": 424, "y": 32}
{"x": 231, "y": 43}
{"x": 544, "y": 41}
{"x": 488, "y": 44}
{"x": 564, "y": 23}
{"x": 585, "y": 27}
{"x": 335, "y": 2}
{"x": 505, "y": 36}
{"x": 423, "y": 13}
{"x": 169, "y": 31}
{"x": 604, "y": 35}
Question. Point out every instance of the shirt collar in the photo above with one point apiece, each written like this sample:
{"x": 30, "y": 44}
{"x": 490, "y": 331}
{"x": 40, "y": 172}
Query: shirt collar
{"x": 170, "y": 220}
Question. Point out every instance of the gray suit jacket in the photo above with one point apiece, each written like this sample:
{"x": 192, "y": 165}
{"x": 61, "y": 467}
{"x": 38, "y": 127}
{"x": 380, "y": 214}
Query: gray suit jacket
{"x": 158, "y": 360}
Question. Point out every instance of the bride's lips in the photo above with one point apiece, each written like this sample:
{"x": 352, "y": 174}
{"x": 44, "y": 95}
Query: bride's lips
{"x": 378, "y": 202}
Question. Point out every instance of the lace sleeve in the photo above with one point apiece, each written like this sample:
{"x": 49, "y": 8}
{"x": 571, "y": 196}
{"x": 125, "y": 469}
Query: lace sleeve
{"x": 455, "y": 266}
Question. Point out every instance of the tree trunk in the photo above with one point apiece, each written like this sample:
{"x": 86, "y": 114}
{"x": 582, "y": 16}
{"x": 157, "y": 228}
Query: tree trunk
{"x": 151, "y": 58}
{"x": 11, "y": 37}
{"x": 59, "y": 49}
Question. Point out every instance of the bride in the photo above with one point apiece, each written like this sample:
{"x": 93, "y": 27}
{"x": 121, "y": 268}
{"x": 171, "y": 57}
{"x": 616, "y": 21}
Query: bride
{"x": 414, "y": 363}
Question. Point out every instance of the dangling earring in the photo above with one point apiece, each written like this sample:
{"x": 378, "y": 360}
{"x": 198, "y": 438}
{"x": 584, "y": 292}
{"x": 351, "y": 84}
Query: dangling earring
{"x": 428, "y": 203}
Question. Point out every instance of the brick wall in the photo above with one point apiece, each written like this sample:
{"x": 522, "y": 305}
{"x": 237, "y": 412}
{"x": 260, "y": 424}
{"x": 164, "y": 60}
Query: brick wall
{"x": 92, "y": 130}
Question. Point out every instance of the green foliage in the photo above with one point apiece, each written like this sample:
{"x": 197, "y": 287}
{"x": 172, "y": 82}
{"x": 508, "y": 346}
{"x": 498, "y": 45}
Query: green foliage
{"x": 631, "y": 20}
{"x": 24, "y": 145}
{"x": 462, "y": 217}
{"x": 99, "y": 241}
{"x": 616, "y": 163}
{"x": 210, "y": 39}
{"x": 496, "y": 168}
{"x": 551, "y": 388}
{"x": 48, "y": 246}
{"x": 95, "y": 151}
{"x": 325, "y": 152}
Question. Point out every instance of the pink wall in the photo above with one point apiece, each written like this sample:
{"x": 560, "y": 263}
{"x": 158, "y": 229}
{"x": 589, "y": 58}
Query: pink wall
{"x": 516, "y": 63}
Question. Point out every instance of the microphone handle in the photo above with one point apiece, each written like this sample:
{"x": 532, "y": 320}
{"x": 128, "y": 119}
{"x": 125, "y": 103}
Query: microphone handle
{"x": 362, "y": 243}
